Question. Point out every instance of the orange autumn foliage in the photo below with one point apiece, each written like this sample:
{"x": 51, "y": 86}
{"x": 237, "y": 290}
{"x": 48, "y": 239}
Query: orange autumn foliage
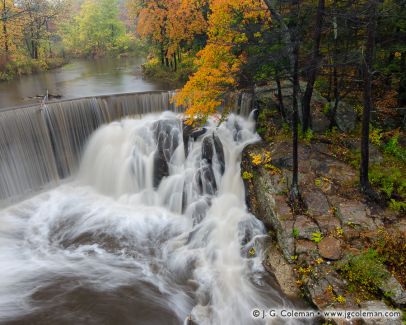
{"x": 169, "y": 22}
{"x": 220, "y": 61}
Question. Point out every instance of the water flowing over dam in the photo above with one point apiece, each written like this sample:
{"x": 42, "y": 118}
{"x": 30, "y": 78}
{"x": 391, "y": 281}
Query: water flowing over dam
{"x": 41, "y": 144}
{"x": 151, "y": 228}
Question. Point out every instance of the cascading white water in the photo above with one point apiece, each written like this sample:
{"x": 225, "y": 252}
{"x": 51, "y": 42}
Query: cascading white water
{"x": 149, "y": 232}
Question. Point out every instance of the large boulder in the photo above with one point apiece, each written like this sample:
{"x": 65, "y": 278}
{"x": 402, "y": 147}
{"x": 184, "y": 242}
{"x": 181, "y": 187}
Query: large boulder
{"x": 346, "y": 117}
{"x": 379, "y": 306}
{"x": 330, "y": 248}
{"x": 167, "y": 134}
{"x": 218, "y": 148}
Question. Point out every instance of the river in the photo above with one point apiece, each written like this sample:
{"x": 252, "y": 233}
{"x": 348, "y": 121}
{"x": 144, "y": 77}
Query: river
{"x": 80, "y": 78}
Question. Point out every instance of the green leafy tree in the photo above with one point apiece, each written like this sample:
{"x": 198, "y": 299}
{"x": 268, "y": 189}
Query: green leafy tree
{"x": 96, "y": 30}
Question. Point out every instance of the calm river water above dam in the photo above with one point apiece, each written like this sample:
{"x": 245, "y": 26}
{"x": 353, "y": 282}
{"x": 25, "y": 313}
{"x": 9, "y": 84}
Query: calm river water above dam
{"x": 80, "y": 78}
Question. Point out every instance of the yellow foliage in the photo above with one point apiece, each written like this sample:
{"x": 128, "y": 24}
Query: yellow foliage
{"x": 262, "y": 158}
{"x": 219, "y": 62}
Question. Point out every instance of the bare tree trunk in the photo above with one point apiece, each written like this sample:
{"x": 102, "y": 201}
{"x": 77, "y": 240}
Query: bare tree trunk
{"x": 295, "y": 175}
{"x": 367, "y": 76}
{"x": 402, "y": 82}
{"x": 175, "y": 62}
{"x": 280, "y": 97}
{"x": 5, "y": 33}
{"x": 313, "y": 68}
{"x": 291, "y": 41}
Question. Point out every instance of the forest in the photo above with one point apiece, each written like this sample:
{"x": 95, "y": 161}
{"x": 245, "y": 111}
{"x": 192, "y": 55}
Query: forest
{"x": 39, "y": 34}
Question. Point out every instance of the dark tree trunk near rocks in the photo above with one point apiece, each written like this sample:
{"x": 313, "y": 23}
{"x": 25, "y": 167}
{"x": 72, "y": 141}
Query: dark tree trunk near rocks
{"x": 295, "y": 170}
{"x": 402, "y": 82}
{"x": 367, "y": 76}
{"x": 280, "y": 98}
{"x": 313, "y": 68}
{"x": 291, "y": 41}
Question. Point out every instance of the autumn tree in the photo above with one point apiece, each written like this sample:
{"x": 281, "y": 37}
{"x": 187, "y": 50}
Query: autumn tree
{"x": 39, "y": 14}
{"x": 170, "y": 25}
{"x": 11, "y": 29}
{"x": 220, "y": 62}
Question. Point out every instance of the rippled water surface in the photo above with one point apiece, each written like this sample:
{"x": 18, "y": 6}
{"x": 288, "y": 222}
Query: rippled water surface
{"x": 80, "y": 78}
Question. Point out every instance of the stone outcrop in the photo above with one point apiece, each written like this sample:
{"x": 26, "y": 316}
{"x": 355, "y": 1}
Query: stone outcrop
{"x": 266, "y": 97}
{"x": 346, "y": 117}
{"x": 333, "y": 224}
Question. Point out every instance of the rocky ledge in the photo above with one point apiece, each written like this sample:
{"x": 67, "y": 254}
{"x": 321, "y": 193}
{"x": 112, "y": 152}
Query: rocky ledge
{"x": 313, "y": 250}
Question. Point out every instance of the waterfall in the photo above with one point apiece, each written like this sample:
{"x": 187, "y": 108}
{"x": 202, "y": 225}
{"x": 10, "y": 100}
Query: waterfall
{"x": 41, "y": 145}
{"x": 153, "y": 229}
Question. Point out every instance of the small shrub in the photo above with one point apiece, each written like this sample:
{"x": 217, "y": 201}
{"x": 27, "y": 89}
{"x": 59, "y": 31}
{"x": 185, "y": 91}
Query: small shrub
{"x": 326, "y": 108}
{"x": 340, "y": 299}
{"x": 318, "y": 182}
{"x": 393, "y": 148}
{"x": 397, "y": 206}
{"x": 375, "y": 136}
{"x": 295, "y": 232}
{"x": 261, "y": 158}
{"x": 388, "y": 180}
{"x": 392, "y": 247}
{"x": 365, "y": 272}
{"x": 273, "y": 169}
{"x": 307, "y": 137}
{"x": 317, "y": 237}
{"x": 358, "y": 108}
{"x": 247, "y": 176}
{"x": 252, "y": 252}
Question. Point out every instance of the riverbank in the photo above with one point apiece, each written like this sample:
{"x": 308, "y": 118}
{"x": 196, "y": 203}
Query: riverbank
{"x": 154, "y": 70}
{"x": 14, "y": 69}
{"x": 339, "y": 250}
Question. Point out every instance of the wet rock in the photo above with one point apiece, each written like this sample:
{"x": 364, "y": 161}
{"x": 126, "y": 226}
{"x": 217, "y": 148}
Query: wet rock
{"x": 377, "y": 305}
{"x": 218, "y": 147}
{"x": 354, "y": 214}
{"x": 305, "y": 247}
{"x": 323, "y": 286}
{"x": 327, "y": 223}
{"x": 392, "y": 288}
{"x": 237, "y": 132}
{"x": 375, "y": 155}
{"x": 206, "y": 180}
{"x": 282, "y": 221}
{"x": 320, "y": 123}
{"x": 330, "y": 248}
{"x": 276, "y": 264}
{"x": 346, "y": 117}
{"x": 317, "y": 290}
{"x": 191, "y": 133}
{"x": 166, "y": 134}
{"x": 283, "y": 162}
{"x": 273, "y": 210}
{"x": 210, "y": 146}
{"x": 341, "y": 172}
{"x": 207, "y": 149}
{"x": 195, "y": 134}
{"x": 161, "y": 168}
{"x": 316, "y": 202}
{"x": 306, "y": 227}
{"x": 266, "y": 99}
